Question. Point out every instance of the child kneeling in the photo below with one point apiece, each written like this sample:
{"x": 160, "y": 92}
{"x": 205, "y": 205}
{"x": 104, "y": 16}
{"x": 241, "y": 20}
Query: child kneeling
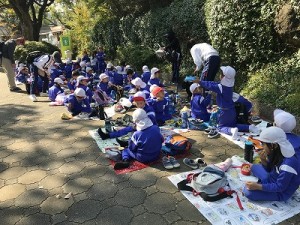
{"x": 145, "y": 143}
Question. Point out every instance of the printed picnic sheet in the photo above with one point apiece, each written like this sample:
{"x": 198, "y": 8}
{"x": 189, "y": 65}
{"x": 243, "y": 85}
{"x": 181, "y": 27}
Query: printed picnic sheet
{"x": 104, "y": 144}
{"x": 227, "y": 212}
{"x": 243, "y": 136}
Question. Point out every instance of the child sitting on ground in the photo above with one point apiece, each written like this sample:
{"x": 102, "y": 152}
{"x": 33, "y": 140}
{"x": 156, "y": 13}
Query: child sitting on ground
{"x": 145, "y": 143}
{"x": 154, "y": 78}
{"x": 82, "y": 82}
{"x": 78, "y": 103}
{"x": 138, "y": 85}
{"x": 199, "y": 103}
{"x": 55, "y": 89}
{"x": 73, "y": 81}
{"x": 118, "y": 76}
{"x": 279, "y": 173}
{"x": 104, "y": 84}
{"x": 160, "y": 105}
{"x": 146, "y": 74}
{"x": 140, "y": 102}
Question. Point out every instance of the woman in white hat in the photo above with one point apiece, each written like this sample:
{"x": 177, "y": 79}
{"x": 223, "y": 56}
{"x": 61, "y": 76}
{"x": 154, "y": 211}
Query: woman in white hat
{"x": 279, "y": 173}
{"x": 145, "y": 143}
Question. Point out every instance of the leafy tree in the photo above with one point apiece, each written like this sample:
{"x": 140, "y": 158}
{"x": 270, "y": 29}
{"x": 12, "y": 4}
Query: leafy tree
{"x": 30, "y": 14}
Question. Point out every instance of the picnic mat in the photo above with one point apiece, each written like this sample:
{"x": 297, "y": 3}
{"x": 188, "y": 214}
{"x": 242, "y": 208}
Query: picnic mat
{"x": 226, "y": 211}
{"x": 108, "y": 144}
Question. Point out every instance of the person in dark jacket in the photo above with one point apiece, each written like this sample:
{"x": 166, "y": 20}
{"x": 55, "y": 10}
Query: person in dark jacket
{"x": 8, "y": 61}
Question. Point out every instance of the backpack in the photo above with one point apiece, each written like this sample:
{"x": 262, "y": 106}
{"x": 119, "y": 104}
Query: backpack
{"x": 176, "y": 144}
{"x": 242, "y": 115}
{"x": 101, "y": 97}
{"x": 33, "y": 55}
{"x": 211, "y": 185}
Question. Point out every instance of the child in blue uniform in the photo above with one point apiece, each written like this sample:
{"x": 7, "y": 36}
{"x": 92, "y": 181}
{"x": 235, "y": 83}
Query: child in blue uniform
{"x": 78, "y": 103}
{"x": 55, "y": 72}
{"x": 243, "y": 108}
{"x": 279, "y": 173}
{"x": 154, "y": 78}
{"x": 82, "y": 82}
{"x": 104, "y": 84}
{"x": 100, "y": 60}
{"x": 227, "y": 118}
{"x": 140, "y": 102}
{"x": 287, "y": 122}
{"x": 160, "y": 105}
{"x": 56, "y": 89}
{"x": 145, "y": 143}
{"x": 73, "y": 81}
{"x": 199, "y": 103}
{"x": 118, "y": 76}
{"x": 68, "y": 69}
{"x": 146, "y": 74}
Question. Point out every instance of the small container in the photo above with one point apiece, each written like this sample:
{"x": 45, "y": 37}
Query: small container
{"x": 248, "y": 151}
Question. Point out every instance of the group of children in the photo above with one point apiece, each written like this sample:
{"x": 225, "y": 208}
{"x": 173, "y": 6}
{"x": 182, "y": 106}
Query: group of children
{"x": 279, "y": 173}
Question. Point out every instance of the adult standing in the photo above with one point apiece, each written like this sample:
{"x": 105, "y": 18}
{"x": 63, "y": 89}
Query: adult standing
{"x": 8, "y": 61}
{"x": 205, "y": 55}
{"x": 174, "y": 54}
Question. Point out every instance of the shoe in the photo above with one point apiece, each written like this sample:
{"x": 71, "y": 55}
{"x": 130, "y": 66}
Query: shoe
{"x": 15, "y": 89}
{"x": 191, "y": 163}
{"x": 42, "y": 94}
{"x": 167, "y": 163}
{"x": 103, "y": 135}
{"x": 213, "y": 134}
{"x": 207, "y": 130}
{"x": 33, "y": 98}
{"x": 113, "y": 155}
{"x": 200, "y": 162}
{"x": 122, "y": 165}
{"x": 174, "y": 162}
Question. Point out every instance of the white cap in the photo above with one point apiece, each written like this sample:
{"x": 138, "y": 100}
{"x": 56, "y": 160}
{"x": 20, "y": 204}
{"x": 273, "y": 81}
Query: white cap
{"x": 141, "y": 119}
{"x": 88, "y": 69}
{"x": 82, "y": 64}
{"x": 277, "y": 135}
{"x": 21, "y": 66}
{"x": 145, "y": 69}
{"x": 80, "y": 78}
{"x": 119, "y": 69}
{"x": 69, "y": 61}
{"x": 80, "y": 92}
{"x": 127, "y": 67}
{"x": 139, "y": 96}
{"x": 152, "y": 87}
{"x": 58, "y": 80}
{"x": 125, "y": 102}
{"x": 193, "y": 87}
{"x": 153, "y": 71}
{"x": 109, "y": 65}
{"x": 229, "y": 74}
{"x": 284, "y": 120}
{"x": 103, "y": 76}
{"x": 138, "y": 82}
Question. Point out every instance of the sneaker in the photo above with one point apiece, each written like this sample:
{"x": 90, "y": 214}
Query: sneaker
{"x": 15, "y": 89}
{"x": 174, "y": 162}
{"x": 33, "y": 98}
{"x": 213, "y": 134}
{"x": 167, "y": 163}
{"x": 113, "y": 155}
{"x": 200, "y": 162}
{"x": 191, "y": 163}
{"x": 207, "y": 130}
{"x": 42, "y": 94}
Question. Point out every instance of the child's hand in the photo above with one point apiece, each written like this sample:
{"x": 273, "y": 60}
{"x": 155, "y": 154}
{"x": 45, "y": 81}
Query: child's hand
{"x": 253, "y": 186}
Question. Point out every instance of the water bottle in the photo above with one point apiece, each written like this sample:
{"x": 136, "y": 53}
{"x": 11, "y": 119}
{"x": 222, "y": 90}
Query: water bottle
{"x": 248, "y": 151}
{"x": 185, "y": 122}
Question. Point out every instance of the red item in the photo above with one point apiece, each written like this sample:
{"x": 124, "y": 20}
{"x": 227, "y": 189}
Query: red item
{"x": 245, "y": 169}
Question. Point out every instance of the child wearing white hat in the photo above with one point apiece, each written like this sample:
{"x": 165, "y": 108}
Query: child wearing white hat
{"x": 146, "y": 74}
{"x": 145, "y": 143}
{"x": 82, "y": 82}
{"x": 287, "y": 122}
{"x": 104, "y": 84}
{"x": 199, "y": 103}
{"x": 279, "y": 173}
{"x": 56, "y": 89}
{"x": 78, "y": 102}
{"x": 154, "y": 78}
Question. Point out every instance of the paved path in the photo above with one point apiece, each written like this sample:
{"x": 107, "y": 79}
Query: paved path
{"x": 42, "y": 158}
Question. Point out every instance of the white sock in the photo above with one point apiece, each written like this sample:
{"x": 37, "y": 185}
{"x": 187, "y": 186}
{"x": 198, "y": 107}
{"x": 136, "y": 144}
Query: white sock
{"x": 234, "y": 132}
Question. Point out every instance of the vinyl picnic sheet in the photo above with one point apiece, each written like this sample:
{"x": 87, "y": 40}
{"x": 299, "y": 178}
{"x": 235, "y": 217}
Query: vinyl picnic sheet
{"x": 227, "y": 212}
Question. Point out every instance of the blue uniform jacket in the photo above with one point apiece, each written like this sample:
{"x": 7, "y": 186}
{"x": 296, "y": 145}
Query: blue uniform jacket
{"x": 199, "y": 107}
{"x": 146, "y": 77}
{"x": 68, "y": 71}
{"x": 54, "y": 91}
{"x": 161, "y": 109}
{"x": 76, "y": 107}
{"x": 104, "y": 87}
{"x": 145, "y": 145}
{"x": 88, "y": 92}
{"x": 295, "y": 141}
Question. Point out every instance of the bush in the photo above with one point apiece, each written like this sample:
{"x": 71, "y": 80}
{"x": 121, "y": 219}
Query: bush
{"x": 278, "y": 84}
{"x": 243, "y": 32}
{"x": 21, "y": 52}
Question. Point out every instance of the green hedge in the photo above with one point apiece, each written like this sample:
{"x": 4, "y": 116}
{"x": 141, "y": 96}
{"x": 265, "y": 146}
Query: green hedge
{"x": 278, "y": 84}
{"x": 243, "y": 32}
{"x": 30, "y": 46}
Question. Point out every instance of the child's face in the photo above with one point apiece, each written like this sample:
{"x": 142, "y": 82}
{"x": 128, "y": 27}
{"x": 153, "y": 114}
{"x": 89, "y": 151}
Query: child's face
{"x": 84, "y": 82}
{"x": 79, "y": 98}
{"x": 160, "y": 95}
{"x": 140, "y": 104}
{"x": 105, "y": 80}
{"x": 197, "y": 90}
{"x": 157, "y": 74}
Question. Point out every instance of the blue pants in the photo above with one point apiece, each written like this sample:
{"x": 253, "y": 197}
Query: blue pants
{"x": 129, "y": 155}
{"x": 34, "y": 84}
{"x": 256, "y": 195}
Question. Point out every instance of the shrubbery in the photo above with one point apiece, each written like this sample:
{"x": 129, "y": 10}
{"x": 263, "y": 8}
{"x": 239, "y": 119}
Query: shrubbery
{"x": 278, "y": 84}
{"x": 21, "y": 52}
